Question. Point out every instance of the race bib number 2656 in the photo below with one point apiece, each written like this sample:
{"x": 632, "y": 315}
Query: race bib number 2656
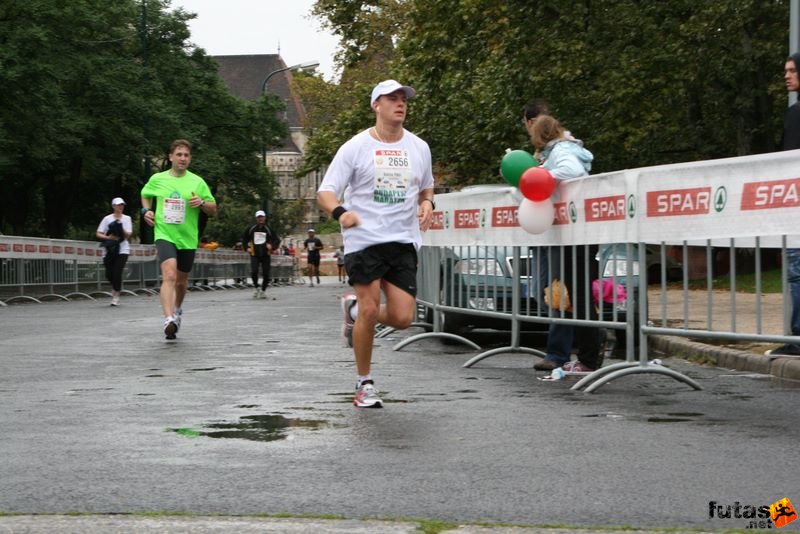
{"x": 392, "y": 176}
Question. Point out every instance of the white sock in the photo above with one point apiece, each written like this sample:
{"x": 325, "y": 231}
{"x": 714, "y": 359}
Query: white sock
{"x": 354, "y": 311}
{"x": 362, "y": 379}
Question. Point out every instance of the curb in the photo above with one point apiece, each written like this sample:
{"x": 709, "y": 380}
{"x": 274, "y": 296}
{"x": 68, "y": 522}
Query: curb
{"x": 729, "y": 358}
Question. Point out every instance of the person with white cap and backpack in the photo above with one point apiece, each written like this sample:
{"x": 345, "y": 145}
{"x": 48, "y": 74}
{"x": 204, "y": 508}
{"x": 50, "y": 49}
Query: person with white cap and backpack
{"x": 113, "y": 232}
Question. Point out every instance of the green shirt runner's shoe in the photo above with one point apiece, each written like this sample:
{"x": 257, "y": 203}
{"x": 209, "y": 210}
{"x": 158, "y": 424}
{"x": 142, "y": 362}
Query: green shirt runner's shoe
{"x": 175, "y": 220}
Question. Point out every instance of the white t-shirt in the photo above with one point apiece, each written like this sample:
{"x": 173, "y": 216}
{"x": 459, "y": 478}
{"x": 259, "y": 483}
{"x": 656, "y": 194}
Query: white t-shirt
{"x": 127, "y": 225}
{"x": 381, "y": 182}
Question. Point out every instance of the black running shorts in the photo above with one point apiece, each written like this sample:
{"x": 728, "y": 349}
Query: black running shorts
{"x": 184, "y": 257}
{"x": 395, "y": 263}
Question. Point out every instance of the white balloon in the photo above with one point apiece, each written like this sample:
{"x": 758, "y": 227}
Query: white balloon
{"x": 536, "y": 217}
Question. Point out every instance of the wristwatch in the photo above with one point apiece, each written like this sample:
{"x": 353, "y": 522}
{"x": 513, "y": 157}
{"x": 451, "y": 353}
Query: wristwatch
{"x": 144, "y": 210}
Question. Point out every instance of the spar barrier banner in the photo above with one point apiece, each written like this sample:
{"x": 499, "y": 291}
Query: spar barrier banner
{"x": 717, "y": 200}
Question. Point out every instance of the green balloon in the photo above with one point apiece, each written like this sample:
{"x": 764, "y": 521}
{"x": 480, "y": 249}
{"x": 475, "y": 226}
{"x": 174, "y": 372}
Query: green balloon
{"x": 514, "y": 164}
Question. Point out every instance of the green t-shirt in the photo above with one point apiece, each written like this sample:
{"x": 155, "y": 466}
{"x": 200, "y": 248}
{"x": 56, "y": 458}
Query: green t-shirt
{"x": 175, "y": 220}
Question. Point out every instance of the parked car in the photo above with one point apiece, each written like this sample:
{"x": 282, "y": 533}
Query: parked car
{"x": 480, "y": 278}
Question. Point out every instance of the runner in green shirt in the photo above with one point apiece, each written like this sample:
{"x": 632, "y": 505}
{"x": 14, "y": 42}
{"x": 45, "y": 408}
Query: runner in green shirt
{"x": 178, "y": 196}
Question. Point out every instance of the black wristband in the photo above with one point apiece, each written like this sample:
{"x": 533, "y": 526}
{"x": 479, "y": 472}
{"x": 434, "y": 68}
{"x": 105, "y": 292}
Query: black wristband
{"x": 433, "y": 204}
{"x": 337, "y": 212}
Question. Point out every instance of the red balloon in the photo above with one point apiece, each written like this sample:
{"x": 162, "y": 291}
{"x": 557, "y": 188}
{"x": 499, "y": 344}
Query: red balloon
{"x": 537, "y": 184}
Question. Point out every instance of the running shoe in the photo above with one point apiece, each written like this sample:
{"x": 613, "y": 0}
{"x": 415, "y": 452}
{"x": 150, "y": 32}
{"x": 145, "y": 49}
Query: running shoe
{"x": 115, "y": 301}
{"x": 257, "y": 293}
{"x": 177, "y": 315}
{"x": 170, "y": 327}
{"x": 348, "y": 301}
{"x": 367, "y": 397}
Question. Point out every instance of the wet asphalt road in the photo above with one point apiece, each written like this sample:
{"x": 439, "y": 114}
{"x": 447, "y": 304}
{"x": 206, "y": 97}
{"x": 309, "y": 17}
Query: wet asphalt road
{"x": 249, "y": 412}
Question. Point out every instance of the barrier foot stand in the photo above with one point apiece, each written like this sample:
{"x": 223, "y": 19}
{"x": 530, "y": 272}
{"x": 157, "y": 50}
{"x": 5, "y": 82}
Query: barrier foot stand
{"x": 605, "y": 375}
{"x": 55, "y": 296}
{"x": 591, "y": 377}
{"x": 23, "y": 297}
{"x": 503, "y": 350}
{"x": 383, "y": 331}
{"x": 146, "y": 290}
{"x": 84, "y": 295}
{"x": 386, "y": 330}
{"x": 440, "y": 335}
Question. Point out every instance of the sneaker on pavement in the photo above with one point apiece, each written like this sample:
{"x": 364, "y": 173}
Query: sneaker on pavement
{"x": 367, "y": 397}
{"x": 577, "y": 367}
{"x": 348, "y": 301}
{"x": 257, "y": 293}
{"x": 545, "y": 365}
{"x": 262, "y": 294}
{"x": 170, "y": 327}
{"x": 789, "y": 350}
{"x": 115, "y": 301}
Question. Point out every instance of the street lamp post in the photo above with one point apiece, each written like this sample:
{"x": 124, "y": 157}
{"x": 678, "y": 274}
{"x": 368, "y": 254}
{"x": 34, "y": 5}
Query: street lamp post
{"x": 299, "y": 66}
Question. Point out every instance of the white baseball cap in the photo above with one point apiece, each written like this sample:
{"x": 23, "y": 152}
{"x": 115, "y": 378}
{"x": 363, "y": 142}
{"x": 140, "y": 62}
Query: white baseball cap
{"x": 311, "y": 231}
{"x": 390, "y": 86}
{"x": 116, "y": 201}
{"x": 260, "y": 213}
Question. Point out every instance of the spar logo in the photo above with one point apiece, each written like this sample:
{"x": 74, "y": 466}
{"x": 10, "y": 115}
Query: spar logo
{"x": 504, "y": 217}
{"x": 473, "y": 218}
{"x": 770, "y": 195}
{"x": 562, "y": 214}
{"x": 437, "y": 221}
{"x": 775, "y": 515}
{"x": 605, "y": 208}
{"x": 676, "y": 202}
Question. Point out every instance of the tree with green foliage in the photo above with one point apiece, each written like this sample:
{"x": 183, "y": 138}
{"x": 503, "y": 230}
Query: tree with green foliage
{"x": 642, "y": 83}
{"x": 93, "y": 95}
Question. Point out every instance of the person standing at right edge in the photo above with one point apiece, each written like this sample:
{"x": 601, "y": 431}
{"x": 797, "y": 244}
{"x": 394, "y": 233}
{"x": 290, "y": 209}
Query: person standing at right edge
{"x": 386, "y": 177}
{"x": 791, "y": 141}
{"x": 179, "y": 196}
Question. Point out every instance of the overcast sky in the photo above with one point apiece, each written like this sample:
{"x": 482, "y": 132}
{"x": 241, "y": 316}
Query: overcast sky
{"x": 230, "y": 27}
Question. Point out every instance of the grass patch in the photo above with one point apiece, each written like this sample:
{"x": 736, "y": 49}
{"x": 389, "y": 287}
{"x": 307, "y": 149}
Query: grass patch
{"x": 746, "y": 283}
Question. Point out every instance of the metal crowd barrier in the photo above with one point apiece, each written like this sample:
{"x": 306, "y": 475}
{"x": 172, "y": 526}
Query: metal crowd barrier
{"x": 501, "y": 288}
{"x": 481, "y": 263}
{"x": 37, "y": 269}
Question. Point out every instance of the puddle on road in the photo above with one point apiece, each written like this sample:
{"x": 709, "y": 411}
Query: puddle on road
{"x": 267, "y": 427}
{"x": 674, "y": 417}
